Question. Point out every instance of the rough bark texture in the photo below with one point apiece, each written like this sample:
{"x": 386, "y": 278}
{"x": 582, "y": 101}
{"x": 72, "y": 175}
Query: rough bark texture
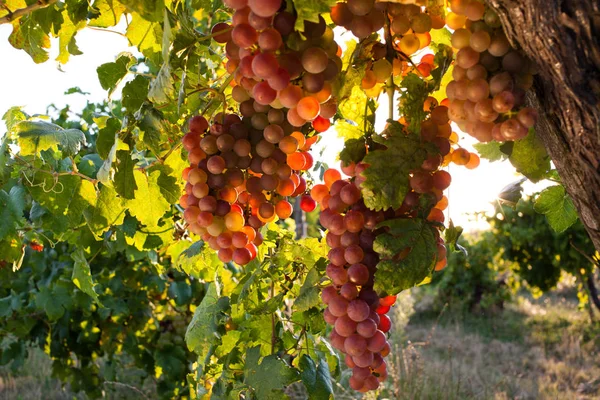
{"x": 562, "y": 37}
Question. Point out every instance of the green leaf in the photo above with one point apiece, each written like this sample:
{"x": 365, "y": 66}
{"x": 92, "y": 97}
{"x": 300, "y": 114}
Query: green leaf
{"x": 107, "y": 137}
{"x": 53, "y": 301}
{"x": 529, "y": 157}
{"x": 557, "y": 206}
{"x": 270, "y": 377}
{"x": 397, "y": 270}
{"x": 512, "y": 193}
{"x": 125, "y": 184}
{"x": 29, "y": 36}
{"x": 135, "y": 93}
{"x": 66, "y": 202}
{"x": 202, "y": 332}
{"x": 107, "y": 211}
{"x": 451, "y": 236}
{"x": 198, "y": 260}
{"x": 13, "y": 116}
{"x": 309, "y": 292}
{"x": 110, "y": 74}
{"x": 145, "y": 35}
{"x": 412, "y": 99}
{"x": 37, "y": 136}
{"x": 310, "y": 10}
{"x": 148, "y": 205}
{"x": 82, "y": 275}
{"x": 354, "y": 151}
{"x": 12, "y": 205}
{"x": 162, "y": 89}
{"x": 155, "y": 129}
{"x": 491, "y": 151}
{"x": 77, "y": 10}
{"x": 316, "y": 378}
{"x": 66, "y": 38}
{"x": 387, "y": 177}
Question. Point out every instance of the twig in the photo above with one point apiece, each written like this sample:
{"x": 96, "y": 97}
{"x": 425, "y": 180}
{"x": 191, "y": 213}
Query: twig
{"x": 587, "y": 257}
{"x": 12, "y": 15}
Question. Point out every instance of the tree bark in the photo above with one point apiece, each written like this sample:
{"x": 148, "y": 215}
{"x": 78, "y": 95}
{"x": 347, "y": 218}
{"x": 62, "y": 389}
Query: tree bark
{"x": 562, "y": 37}
{"x": 593, "y": 290}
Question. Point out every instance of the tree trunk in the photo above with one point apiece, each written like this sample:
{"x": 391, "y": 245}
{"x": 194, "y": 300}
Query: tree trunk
{"x": 593, "y": 290}
{"x": 562, "y": 37}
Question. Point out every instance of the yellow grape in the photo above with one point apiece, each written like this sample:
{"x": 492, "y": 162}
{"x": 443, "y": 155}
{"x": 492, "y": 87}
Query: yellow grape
{"x": 382, "y": 69}
{"x": 455, "y": 21}
{"x": 234, "y": 221}
{"x": 409, "y": 44}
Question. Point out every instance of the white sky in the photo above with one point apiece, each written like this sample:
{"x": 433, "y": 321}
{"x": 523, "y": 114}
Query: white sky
{"x": 35, "y": 86}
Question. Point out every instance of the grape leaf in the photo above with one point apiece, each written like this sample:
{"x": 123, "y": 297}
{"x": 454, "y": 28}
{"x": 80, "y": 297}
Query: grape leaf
{"x": 66, "y": 203}
{"x": 198, "y": 261}
{"x": 451, "y": 236}
{"x": 37, "y": 136}
{"x": 511, "y": 193}
{"x": 316, "y": 378}
{"x": 309, "y": 292}
{"x": 107, "y": 137}
{"x": 354, "y": 151}
{"x": 145, "y": 35}
{"x": 557, "y": 206}
{"x": 135, "y": 93}
{"x": 12, "y": 205}
{"x": 77, "y": 10}
{"x": 107, "y": 211}
{"x": 387, "y": 177}
{"x": 13, "y": 116}
{"x": 29, "y": 36}
{"x": 310, "y": 10}
{"x": 154, "y": 127}
{"x": 54, "y": 301}
{"x": 398, "y": 271}
{"x": 106, "y": 13}
{"x": 529, "y": 157}
{"x": 82, "y": 275}
{"x": 66, "y": 38}
{"x": 110, "y": 74}
{"x": 162, "y": 89}
{"x": 491, "y": 151}
{"x": 270, "y": 377}
{"x": 348, "y": 131}
{"x": 125, "y": 184}
{"x": 148, "y": 205}
{"x": 202, "y": 332}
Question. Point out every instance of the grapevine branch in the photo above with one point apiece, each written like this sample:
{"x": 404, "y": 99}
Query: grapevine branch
{"x": 390, "y": 56}
{"x": 13, "y": 15}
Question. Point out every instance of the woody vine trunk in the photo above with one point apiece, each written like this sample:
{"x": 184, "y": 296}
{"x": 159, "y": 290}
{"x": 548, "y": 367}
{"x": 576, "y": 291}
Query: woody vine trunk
{"x": 562, "y": 37}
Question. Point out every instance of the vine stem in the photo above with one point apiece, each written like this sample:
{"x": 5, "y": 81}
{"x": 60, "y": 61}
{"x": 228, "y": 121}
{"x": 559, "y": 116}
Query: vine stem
{"x": 390, "y": 56}
{"x": 13, "y": 15}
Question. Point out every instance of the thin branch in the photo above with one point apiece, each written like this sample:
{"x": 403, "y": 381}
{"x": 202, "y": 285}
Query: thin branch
{"x": 13, "y": 15}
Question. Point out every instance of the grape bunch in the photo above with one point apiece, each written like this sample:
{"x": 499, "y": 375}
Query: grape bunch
{"x": 242, "y": 171}
{"x": 269, "y": 72}
{"x": 355, "y": 311}
{"x": 487, "y": 94}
